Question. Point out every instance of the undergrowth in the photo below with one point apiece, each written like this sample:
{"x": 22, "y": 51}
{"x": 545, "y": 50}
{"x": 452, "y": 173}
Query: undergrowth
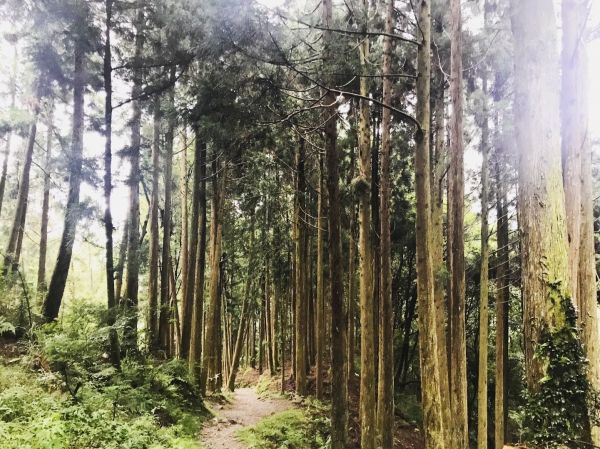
{"x": 64, "y": 394}
{"x": 299, "y": 428}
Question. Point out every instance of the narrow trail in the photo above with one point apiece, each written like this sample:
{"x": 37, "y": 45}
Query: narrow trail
{"x": 245, "y": 410}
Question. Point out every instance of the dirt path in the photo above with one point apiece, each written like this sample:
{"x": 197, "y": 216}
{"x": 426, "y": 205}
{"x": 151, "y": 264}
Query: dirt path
{"x": 246, "y": 409}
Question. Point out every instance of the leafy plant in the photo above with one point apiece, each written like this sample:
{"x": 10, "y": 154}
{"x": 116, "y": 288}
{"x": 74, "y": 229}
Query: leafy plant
{"x": 557, "y": 412}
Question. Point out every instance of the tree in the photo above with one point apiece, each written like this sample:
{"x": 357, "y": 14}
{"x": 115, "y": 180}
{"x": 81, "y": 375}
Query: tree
{"x": 13, "y": 250}
{"x": 482, "y": 384}
{"x": 153, "y": 311}
{"x": 301, "y": 275}
{"x": 430, "y": 375}
{"x": 41, "y": 275}
{"x": 363, "y": 185}
{"x": 133, "y": 235}
{"x": 577, "y": 181}
{"x": 385, "y": 395}
{"x": 458, "y": 349}
{"x": 108, "y": 222}
{"x": 339, "y": 417}
{"x": 56, "y": 288}
{"x": 198, "y": 305}
{"x": 165, "y": 313}
{"x": 320, "y": 305}
{"x": 548, "y": 311}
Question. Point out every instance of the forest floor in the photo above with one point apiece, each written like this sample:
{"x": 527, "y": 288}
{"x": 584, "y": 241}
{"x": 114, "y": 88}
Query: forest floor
{"x": 243, "y": 409}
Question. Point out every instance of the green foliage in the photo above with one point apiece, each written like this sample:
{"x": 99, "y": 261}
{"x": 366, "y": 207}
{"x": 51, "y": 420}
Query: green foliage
{"x": 409, "y": 408}
{"x": 76, "y": 399}
{"x": 6, "y": 327}
{"x": 557, "y": 412}
{"x": 306, "y": 428}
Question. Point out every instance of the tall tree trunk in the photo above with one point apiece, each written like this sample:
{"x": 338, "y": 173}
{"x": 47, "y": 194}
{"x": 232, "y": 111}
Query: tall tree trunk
{"x": 301, "y": 275}
{"x": 165, "y": 310}
{"x": 154, "y": 233}
{"x": 320, "y": 306}
{"x": 351, "y": 335}
{"x": 7, "y": 148}
{"x": 482, "y": 384}
{"x": 195, "y": 355}
{"x": 244, "y": 317}
{"x": 190, "y": 278}
{"x": 111, "y": 300}
{"x": 133, "y": 237}
{"x": 430, "y": 375}
{"x": 209, "y": 359}
{"x": 53, "y": 299}
{"x": 588, "y": 305}
{"x": 502, "y": 306}
{"x": 385, "y": 384}
{"x": 184, "y": 253}
{"x": 12, "y": 253}
{"x": 439, "y": 162}
{"x": 544, "y": 255}
{"x": 41, "y": 274}
{"x": 458, "y": 346}
{"x": 573, "y": 127}
{"x": 339, "y": 382}
{"x": 120, "y": 268}
{"x": 577, "y": 179}
{"x": 363, "y": 184}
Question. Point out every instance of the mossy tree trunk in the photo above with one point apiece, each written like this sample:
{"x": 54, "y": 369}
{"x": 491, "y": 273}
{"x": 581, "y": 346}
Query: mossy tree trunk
{"x": 577, "y": 181}
{"x": 544, "y": 255}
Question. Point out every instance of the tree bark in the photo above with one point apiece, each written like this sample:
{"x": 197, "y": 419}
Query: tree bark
{"x": 458, "y": 347}
{"x": 190, "y": 278}
{"x": 430, "y": 375}
{"x": 120, "y": 268}
{"x": 301, "y": 275}
{"x": 195, "y": 355}
{"x": 541, "y": 201}
{"x": 13, "y": 250}
{"x": 184, "y": 253}
{"x": 154, "y": 233}
{"x": 440, "y": 271}
{"x": 165, "y": 310}
{"x": 339, "y": 382}
{"x": 320, "y": 306}
{"x": 41, "y": 274}
{"x": 502, "y": 306}
{"x": 577, "y": 180}
{"x": 245, "y": 315}
{"x": 52, "y": 302}
{"x": 363, "y": 185}
{"x": 111, "y": 300}
{"x": 385, "y": 384}
{"x": 482, "y": 383}
{"x": 133, "y": 237}
{"x": 210, "y": 356}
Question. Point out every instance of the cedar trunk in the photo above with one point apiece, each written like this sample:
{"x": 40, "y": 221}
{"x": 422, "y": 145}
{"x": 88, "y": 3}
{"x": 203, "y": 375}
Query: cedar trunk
{"x": 53, "y": 299}
{"x": 430, "y": 374}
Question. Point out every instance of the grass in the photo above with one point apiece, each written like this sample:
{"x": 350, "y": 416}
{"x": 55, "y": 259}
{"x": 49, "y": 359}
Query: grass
{"x": 305, "y": 428}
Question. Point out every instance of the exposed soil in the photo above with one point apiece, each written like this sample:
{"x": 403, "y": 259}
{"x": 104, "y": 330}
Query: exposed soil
{"x": 244, "y": 410}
